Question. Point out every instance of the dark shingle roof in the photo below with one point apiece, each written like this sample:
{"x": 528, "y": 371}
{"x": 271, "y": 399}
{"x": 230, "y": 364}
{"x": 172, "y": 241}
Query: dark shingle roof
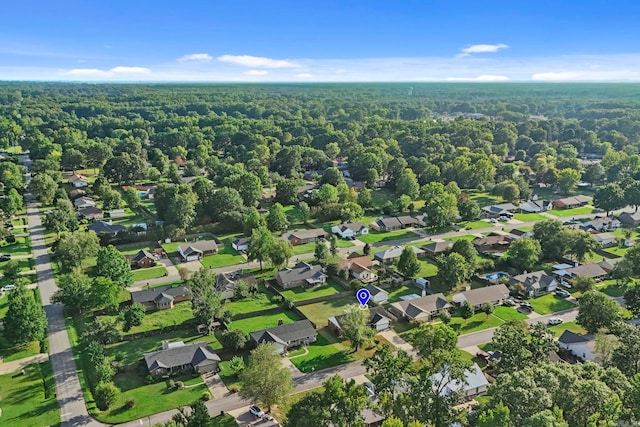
{"x": 300, "y": 271}
{"x": 104, "y": 227}
{"x": 194, "y": 354}
{"x": 142, "y": 254}
{"x": 569, "y": 337}
{"x": 285, "y": 333}
{"x": 149, "y": 295}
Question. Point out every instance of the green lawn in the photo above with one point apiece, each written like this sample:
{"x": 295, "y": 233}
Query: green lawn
{"x": 427, "y": 268}
{"x": 136, "y": 249}
{"x": 571, "y": 212}
{"x": 22, "y": 246}
{"x": 472, "y": 225}
{"x": 319, "y": 312}
{"x": 259, "y": 301}
{"x": 160, "y": 319}
{"x": 508, "y": 313}
{"x": 528, "y": 228}
{"x": 567, "y": 326}
{"x": 306, "y": 248}
{"x": 132, "y": 217}
{"x": 303, "y": 293}
{"x": 468, "y": 237}
{"x": 550, "y": 303}
{"x": 396, "y": 293}
{"x": 265, "y": 321}
{"x": 149, "y": 273}
{"x": 617, "y": 251}
{"x": 228, "y": 377}
{"x": 529, "y": 217}
{"x": 4, "y": 303}
{"x": 293, "y": 214}
{"x": 7, "y": 351}
{"x": 322, "y": 354}
{"x": 476, "y": 323}
{"x": 382, "y": 236}
{"x": 611, "y": 288}
{"x": 29, "y": 400}
{"x": 226, "y": 256}
{"x": 483, "y": 198}
{"x": 344, "y": 243}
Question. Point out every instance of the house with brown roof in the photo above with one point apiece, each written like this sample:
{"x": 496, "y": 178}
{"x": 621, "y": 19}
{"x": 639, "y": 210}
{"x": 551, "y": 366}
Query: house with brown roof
{"x": 142, "y": 259}
{"x": 492, "y": 243}
{"x": 494, "y": 295}
{"x": 78, "y": 180}
{"x": 423, "y": 309}
{"x": 197, "y": 250}
{"x": 286, "y": 336}
{"x": 76, "y": 192}
{"x": 300, "y": 237}
{"x": 571, "y": 202}
{"x": 359, "y": 266}
{"x": 593, "y": 271}
{"x": 301, "y": 274}
{"x": 632, "y": 219}
{"x": 162, "y": 297}
{"x": 434, "y": 249}
{"x": 535, "y": 283}
{"x": 91, "y": 213}
{"x": 606, "y": 240}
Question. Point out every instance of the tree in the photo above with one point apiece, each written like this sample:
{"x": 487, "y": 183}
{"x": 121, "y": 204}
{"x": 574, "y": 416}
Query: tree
{"x": 551, "y": 235}
{"x": 101, "y": 186}
{"x": 25, "y": 320}
{"x": 469, "y": 209}
{"x": 280, "y": 253}
{"x": 408, "y": 264}
{"x": 351, "y": 212}
{"x": 74, "y": 247}
{"x": 132, "y": 198}
{"x": 440, "y": 206}
{"x": 43, "y": 187}
{"x": 632, "y": 299}
{"x": 277, "y": 220}
{"x": 596, "y": 311}
{"x": 355, "y": 327}
{"x": 11, "y": 270}
{"x": 604, "y": 348}
{"x": 205, "y": 303}
{"x": 333, "y": 176}
{"x": 233, "y": 339}
{"x": 609, "y": 197}
{"x": 522, "y": 345}
{"x": 198, "y": 416}
{"x": 468, "y": 252}
{"x": 365, "y": 198}
{"x": 466, "y": 310}
{"x": 568, "y": 179}
{"x": 328, "y": 194}
{"x": 321, "y": 253}
{"x": 72, "y": 159}
{"x": 632, "y": 194}
{"x": 594, "y": 174}
{"x": 254, "y": 219}
{"x": 431, "y": 341}
{"x": 265, "y": 379}
{"x": 305, "y": 211}
{"x": 487, "y": 308}
{"x": 111, "y": 200}
{"x": 393, "y": 422}
{"x": 260, "y": 246}
{"x": 181, "y": 210}
{"x": 523, "y": 254}
{"x": 366, "y": 250}
{"x": 236, "y": 364}
{"x": 102, "y": 330}
{"x": 407, "y": 184}
{"x": 580, "y": 243}
{"x": 132, "y": 316}
{"x": 287, "y": 191}
{"x": 105, "y": 395}
{"x": 11, "y": 176}
{"x": 495, "y": 417}
{"x": 248, "y": 185}
{"x": 333, "y": 244}
{"x": 63, "y": 218}
{"x": 12, "y": 202}
{"x": 112, "y": 264}
{"x": 626, "y": 355}
{"x": 452, "y": 270}
{"x": 74, "y": 291}
{"x": 584, "y": 284}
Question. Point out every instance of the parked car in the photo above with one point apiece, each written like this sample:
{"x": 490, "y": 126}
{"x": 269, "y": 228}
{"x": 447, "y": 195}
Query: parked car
{"x": 370, "y": 389}
{"x": 509, "y": 302}
{"x": 493, "y": 220}
{"x": 5, "y": 257}
{"x": 503, "y": 219}
{"x": 7, "y": 288}
{"x": 8, "y": 225}
{"x": 482, "y": 354}
{"x": 254, "y": 410}
{"x": 562, "y": 293}
{"x": 555, "y": 321}
{"x": 525, "y": 304}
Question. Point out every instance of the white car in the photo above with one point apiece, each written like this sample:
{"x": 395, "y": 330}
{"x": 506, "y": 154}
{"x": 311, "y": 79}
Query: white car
{"x": 254, "y": 410}
{"x": 555, "y": 321}
{"x": 370, "y": 389}
{"x": 8, "y": 288}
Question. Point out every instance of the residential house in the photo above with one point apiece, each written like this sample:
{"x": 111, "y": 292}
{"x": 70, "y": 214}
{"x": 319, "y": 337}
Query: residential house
{"x": 581, "y": 346}
{"x": 180, "y": 161}
{"x": 179, "y": 356}
{"x": 90, "y": 213}
{"x": 386, "y": 224}
{"x": 609, "y": 264}
{"x": 102, "y": 227}
{"x": 142, "y": 259}
{"x": 76, "y": 192}
{"x": 150, "y": 194}
{"x": 84, "y": 202}
{"x": 349, "y": 230}
{"x": 241, "y": 244}
{"x": 302, "y": 274}
{"x": 602, "y": 223}
{"x": 535, "y": 206}
{"x": 494, "y": 295}
{"x": 78, "y": 180}
{"x": 436, "y": 248}
{"x": 306, "y": 190}
{"x": 378, "y": 295}
{"x": 378, "y": 320}
{"x": 412, "y": 221}
{"x": 389, "y": 255}
{"x": 571, "y": 202}
{"x": 359, "y": 266}
{"x": 492, "y": 243}
{"x": 502, "y": 209}
{"x": 516, "y": 234}
{"x": 300, "y": 237}
{"x": 593, "y": 271}
{"x": 116, "y": 213}
{"x": 226, "y": 283}
{"x": 535, "y": 283}
{"x": 286, "y": 336}
{"x": 474, "y": 384}
{"x": 632, "y": 219}
{"x": 424, "y": 308}
{"x": 197, "y": 250}
{"x": 162, "y": 297}
{"x": 606, "y": 240}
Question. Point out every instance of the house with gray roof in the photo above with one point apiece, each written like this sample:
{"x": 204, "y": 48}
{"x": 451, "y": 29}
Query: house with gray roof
{"x": 175, "y": 357}
{"x": 593, "y": 271}
{"x": 386, "y": 224}
{"x": 502, "y": 209}
{"x": 226, "y": 283}
{"x": 301, "y": 274}
{"x": 474, "y": 384}
{"x": 83, "y": 202}
{"x": 162, "y": 297}
{"x": 102, "y": 227}
{"x": 197, "y": 250}
{"x": 286, "y": 336}
{"x": 391, "y": 254}
{"x": 581, "y": 346}
{"x": 632, "y": 218}
{"x": 350, "y": 229}
{"x": 495, "y": 295}
{"x": 535, "y": 283}
{"x": 300, "y": 237}
{"x": 424, "y": 308}
{"x": 241, "y": 244}
{"x": 90, "y": 213}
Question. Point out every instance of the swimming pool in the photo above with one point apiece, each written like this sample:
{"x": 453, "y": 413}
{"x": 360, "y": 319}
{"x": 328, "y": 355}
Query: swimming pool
{"x": 496, "y": 276}
{"x": 142, "y": 193}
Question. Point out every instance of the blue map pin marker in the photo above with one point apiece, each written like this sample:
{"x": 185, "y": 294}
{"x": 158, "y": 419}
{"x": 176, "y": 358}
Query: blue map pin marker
{"x": 363, "y": 296}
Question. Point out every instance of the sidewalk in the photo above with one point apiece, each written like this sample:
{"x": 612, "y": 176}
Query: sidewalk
{"x": 16, "y": 365}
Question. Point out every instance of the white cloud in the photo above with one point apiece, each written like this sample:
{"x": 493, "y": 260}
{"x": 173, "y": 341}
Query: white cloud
{"x": 130, "y": 70}
{"x": 304, "y": 75}
{"x": 482, "y": 78}
{"x": 482, "y": 48}
{"x": 114, "y": 72}
{"x": 256, "y": 73}
{"x": 257, "y": 61}
{"x": 196, "y": 57}
{"x": 87, "y": 72}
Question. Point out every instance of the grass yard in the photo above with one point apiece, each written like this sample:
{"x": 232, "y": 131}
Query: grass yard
{"x": 571, "y": 212}
{"x": 483, "y": 198}
{"x": 306, "y": 248}
{"x": 617, "y": 251}
{"x": 135, "y": 249}
{"x": 229, "y": 377}
{"x": 508, "y": 313}
{"x": 529, "y": 217}
{"x": 475, "y": 323}
{"x": 29, "y": 400}
{"x": 344, "y": 243}
{"x": 567, "y": 326}
{"x": 265, "y": 321}
{"x": 611, "y": 288}
{"x": 396, "y": 293}
{"x": 260, "y": 301}
{"x": 293, "y": 214}
{"x": 473, "y": 225}
{"x": 322, "y": 354}
{"x": 132, "y": 217}
{"x": 385, "y": 236}
{"x": 303, "y": 293}
{"x": 468, "y": 237}
{"x": 22, "y": 246}
{"x": 226, "y": 256}
{"x": 149, "y": 273}
{"x": 427, "y": 268}
{"x": 160, "y": 319}
{"x": 550, "y": 303}
{"x": 4, "y": 303}
{"x": 9, "y": 352}
{"x": 319, "y": 312}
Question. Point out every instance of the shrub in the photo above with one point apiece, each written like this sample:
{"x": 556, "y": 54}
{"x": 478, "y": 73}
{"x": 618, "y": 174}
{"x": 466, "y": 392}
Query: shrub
{"x": 234, "y": 339}
{"x": 149, "y": 379}
{"x": 205, "y": 396}
{"x": 130, "y": 403}
{"x": 234, "y": 389}
{"x": 289, "y": 304}
{"x": 179, "y": 385}
{"x": 105, "y": 395}
{"x": 170, "y": 383}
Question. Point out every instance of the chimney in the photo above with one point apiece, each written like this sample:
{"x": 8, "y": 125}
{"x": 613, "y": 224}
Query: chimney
{"x": 165, "y": 344}
{"x": 424, "y": 293}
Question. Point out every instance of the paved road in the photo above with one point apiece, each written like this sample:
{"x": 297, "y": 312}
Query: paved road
{"x": 73, "y": 411}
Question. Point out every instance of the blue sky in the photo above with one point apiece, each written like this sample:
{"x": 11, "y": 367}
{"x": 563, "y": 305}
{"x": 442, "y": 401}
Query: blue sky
{"x": 328, "y": 40}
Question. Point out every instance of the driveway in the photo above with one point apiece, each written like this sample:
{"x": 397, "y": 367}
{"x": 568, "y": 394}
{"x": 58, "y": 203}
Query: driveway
{"x": 395, "y": 339}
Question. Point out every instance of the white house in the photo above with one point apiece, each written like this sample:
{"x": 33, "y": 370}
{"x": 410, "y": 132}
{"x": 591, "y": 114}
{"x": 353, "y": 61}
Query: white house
{"x": 378, "y": 295}
{"x": 78, "y": 180}
{"x": 606, "y": 240}
{"x": 581, "y": 346}
{"x": 516, "y": 234}
{"x": 348, "y": 230}
{"x": 535, "y": 206}
{"x": 475, "y": 383}
{"x": 116, "y": 213}
{"x": 241, "y": 244}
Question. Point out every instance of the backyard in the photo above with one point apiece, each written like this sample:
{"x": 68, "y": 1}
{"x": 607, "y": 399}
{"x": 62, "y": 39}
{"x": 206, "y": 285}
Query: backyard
{"x": 567, "y": 326}
{"x": 477, "y": 322}
{"x": 382, "y": 236}
{"x": 22, "y": 246}
{"x": 264, "y": 321}
{"x": 396, "y": 293}
{"x": 141, "y": 274}
{"x": 571, "y": 212}
{"x": 319, "y": 312}
{"x": 262, "y": 300}
{"x": 550, "y": 303}
{"x": 226, "y": 256}
{"x": 160, "y": 319}
{"x": 304, "y": 293}
{"x": 427, "y": 268}
{"x": 322, "y": 354}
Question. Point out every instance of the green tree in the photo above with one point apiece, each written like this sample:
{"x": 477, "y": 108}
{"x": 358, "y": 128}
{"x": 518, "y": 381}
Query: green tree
{"x": 355, "y": 327}
{"x": 63, "y": 218}
{"x": 596, "y": 311}
{"x": 495, "y": 417}
{"x": 351, "y": 212}
{"x": 321, "y": 253}
{"x": 205, "y": 303}
{"x": 260, "y": 246}
{"x": 407, "y": 184}
{"x": 277, "y": 220}
{"x": 112, "y": 264}
{"x": 392, "y": 422}
{"x": 25, "y": 320}
{"x": 333, "y": 176}
{"x": 333, "y": 244}
{"x": 11, "y": 176}
{"x": 365, "y": 198}
{"x": 12, "y": 202}
{"x": 328, "y": 194}
{"x": 609, "y": 197}
{"x": 408, "y": 264}
{"x": 265, "y": 379}
{"x": 111, "y": 200}
{"x": 75, "y": 292}
{"x": 523, "y": 254}
{"x": 580, "y": 243}
{"x": 441, "y": 207}
{"x": 132, "y": 198}
{"x": 233, "y": 339}
{"x": 626, "y": 355}
{"x": 43, "y": 187}
{"x": 452, "y": 270}
{"x": 468, "y": 208}
{"x": 468, "y": 252}
{"x": 632, "y": 299}
{"x": 432, "y": 341}
{"x": 75, "y": 247}
{"x": 106, "y": 394}
{"x": 632, "y": 194}
{"x": 466, "y": 310}
{"x": 487, "y": 308}
{"x": 568, "y": 179}
{"x": 287, "y": 191}
{"x": 305, "y": 211}
{"x": 280, "y": 253}
{"x": 584, "y": 284}
{"x": 254, "y": 219}
{"x": 248, "y": 185}
{"x": 551, "y": 235}
{"x": 236, "y": 364}
{"x": 132, "y": 316}
{"x": 11, "y": 270}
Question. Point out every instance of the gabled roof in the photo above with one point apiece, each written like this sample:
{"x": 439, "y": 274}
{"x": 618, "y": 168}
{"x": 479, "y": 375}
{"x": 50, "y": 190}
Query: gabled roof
{"x": 473, "y": 379}
{"x": 192, "y": 354}
{"x": 77, "y": 192}
{"x": 101, "y": 227}
{"x": 634, "y": 216}
{"x": 395, "y": 252}
{"x": 314, "y": 233}
{"x": 437, "y": 247}
{"x": 77, "y": 177}
{"x": 301, "y": 271}
{"x": 535, "y": 279}
{"x": 502, "y": 207}
{"x": 242, "y": 241}
{"x": 198, "y": 247}
{"x": 376, "y": 314}
{"x": 586, "y": 270}
{"x": 492, "y": 240}
{"x": 516, "y": 232}
{"x": 575, "y": 200}
{"x": 388, "y": 222}
{"x": 374, "y": 290}
{"x": 569, "y": 337}
{"x": 84, "y": 201}
{"x": 285, "y": 333}
{"x": 601, "y": 237}
{"x": 89, "y": 211}
{"x": 415, "y": 307}
{"x": 486, "y": 294}
{"x": 150, "y": 295}
{"x": 356, "y": 227}
{"x": 140, "y": 255}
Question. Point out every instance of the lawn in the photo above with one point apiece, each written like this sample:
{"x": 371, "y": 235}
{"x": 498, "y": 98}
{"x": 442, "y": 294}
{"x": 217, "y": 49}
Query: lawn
{"x": 571, "y": 212}
{"x": 567, "y": 326}
{"x": 29, "y": 400}
{"x": 396, "y": 293}
{"x": 265, "y": 321}
{"x": 132, "y": 217}
{"x": 529, "y": 217}
{"x": 322, "y": 354}
{"x": 508, "y": 313}
{"x": 475, "y": 323}
{"x": 22, "y": 246}
{"x": 225, "y": 256}
{"x": 344, "y": 243}
{"x": 8, "y": 352}
{"x": 617, "y": 251}
{"x": 472, "y": 225}
{"x": 611, "y": 288}
{"x": 427, "y": 268}
{"x": 135, "y": 249}
{"x": 303, "y": 293}
{"x": 319, "y": 312}
{"x": 483, "y": 198}
{"x": 228, "y": 377}
{"x": 550, "y": 303}
{"x": 385, "y": 236}
{"x": 257, "y": 302}
{"x": 306, "y": 248}
{"x": 4, "y": 303}
{"x": 160, "y": 319}
{"x": 293, "y": 214}
{"x": 468, "y": 237}
{"x": 149, "y": 273}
